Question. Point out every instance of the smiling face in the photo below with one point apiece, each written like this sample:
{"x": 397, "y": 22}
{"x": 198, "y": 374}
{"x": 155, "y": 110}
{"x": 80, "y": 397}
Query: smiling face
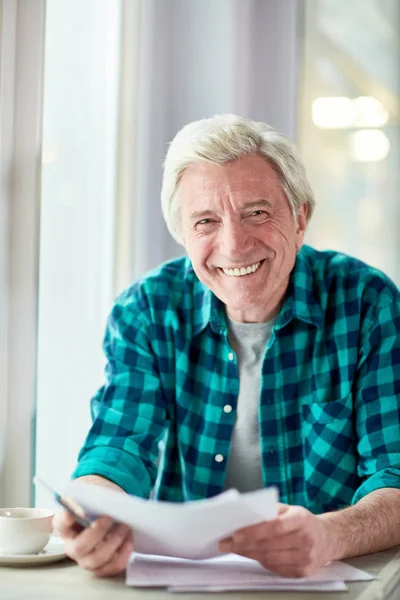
{"x": 239, "y": 232}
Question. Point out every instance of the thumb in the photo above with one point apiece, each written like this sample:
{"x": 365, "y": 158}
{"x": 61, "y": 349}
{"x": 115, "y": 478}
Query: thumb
{"x": 282, "y": 508}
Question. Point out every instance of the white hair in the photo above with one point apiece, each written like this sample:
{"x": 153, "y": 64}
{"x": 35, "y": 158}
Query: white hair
{"x": 226, "y": 138}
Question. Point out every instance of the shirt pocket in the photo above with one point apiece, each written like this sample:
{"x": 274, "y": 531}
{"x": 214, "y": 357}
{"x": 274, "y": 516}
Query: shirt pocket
{"x": 329, "y": 445}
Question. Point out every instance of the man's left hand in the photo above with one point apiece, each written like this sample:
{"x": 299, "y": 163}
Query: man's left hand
{"x": 295, "y": 544}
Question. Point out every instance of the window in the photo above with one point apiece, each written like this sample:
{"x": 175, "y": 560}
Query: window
{"x": 21, "y": 77}
{"x": 80, "y": 127}
{"x": 350, "y": 129}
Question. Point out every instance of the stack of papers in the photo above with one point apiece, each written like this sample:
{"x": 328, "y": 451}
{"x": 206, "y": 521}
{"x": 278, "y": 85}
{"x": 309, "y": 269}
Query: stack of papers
{"x": 230, "y": 572}
{"x": 186, "y": 530}
{"x": 176, "y": 545}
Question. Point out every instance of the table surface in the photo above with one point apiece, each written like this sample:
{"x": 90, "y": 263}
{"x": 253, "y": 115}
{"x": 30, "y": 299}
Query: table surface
{"x": 65, "y": 581}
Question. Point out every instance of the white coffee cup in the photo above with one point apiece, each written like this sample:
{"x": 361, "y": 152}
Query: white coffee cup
{"x": 24, "y": 530}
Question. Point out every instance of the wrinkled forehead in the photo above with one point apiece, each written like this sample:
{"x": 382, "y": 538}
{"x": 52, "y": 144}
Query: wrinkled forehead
{"x": 249, "y": 178}
{"x": 247, "y": 173}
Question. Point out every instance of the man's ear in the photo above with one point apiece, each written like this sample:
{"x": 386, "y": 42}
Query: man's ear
{"x": 301, "y": 225}
{"x": 302, "y": 218}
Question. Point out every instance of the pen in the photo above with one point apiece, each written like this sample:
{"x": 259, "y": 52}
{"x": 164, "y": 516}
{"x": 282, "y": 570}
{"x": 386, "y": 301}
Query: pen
{"x": 68, "y": 503}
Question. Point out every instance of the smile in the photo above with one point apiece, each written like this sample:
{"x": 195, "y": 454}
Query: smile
{"x": 236, "y": 272}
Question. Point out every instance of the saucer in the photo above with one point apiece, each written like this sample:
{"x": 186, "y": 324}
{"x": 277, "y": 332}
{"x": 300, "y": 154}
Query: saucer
{"x": 51, "y": 553}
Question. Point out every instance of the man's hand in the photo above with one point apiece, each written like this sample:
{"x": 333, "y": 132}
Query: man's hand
{"x": 295, "y": 544}
{"x": 104, "y": 547}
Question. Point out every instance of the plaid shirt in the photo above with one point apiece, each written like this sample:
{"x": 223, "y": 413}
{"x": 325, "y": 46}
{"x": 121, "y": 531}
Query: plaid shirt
{"x": 329, "y": 404}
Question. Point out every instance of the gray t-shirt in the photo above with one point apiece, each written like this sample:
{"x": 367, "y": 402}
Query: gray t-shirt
{"x": 249, "y": 341}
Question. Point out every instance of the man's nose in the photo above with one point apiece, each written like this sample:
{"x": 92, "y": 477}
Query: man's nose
{"x": 235, "y": 241}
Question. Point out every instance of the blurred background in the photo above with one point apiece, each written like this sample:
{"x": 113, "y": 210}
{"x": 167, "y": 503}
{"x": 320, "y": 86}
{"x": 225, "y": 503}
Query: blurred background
{"x": 92, "y": 92}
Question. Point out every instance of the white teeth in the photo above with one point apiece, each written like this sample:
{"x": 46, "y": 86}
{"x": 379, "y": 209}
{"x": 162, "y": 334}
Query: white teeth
{"x": 242, "y": 271}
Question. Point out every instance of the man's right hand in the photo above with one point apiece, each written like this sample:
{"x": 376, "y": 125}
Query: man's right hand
{"x": 104, "y": 547}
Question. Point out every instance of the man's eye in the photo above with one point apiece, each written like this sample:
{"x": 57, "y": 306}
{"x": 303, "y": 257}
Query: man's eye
{"x": 260, "y": 215}
{"x": 203, "y": 222}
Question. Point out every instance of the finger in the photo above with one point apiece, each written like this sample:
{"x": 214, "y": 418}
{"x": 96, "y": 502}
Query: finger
{"x": 65, "y": 525}
{"x": 120, "y": 559}
{"x": 287, "y": 563}
{"x": 104, "y": 552}
{"x": 282, "y": 508}
{"x": 86, "y": 541}
{"x": 280, "y": 557}
{"x": 288, "y": 522}
{"x": 288, "y": 541}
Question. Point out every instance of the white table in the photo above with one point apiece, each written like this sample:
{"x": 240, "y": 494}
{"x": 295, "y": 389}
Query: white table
{"x": 66, "y": 581}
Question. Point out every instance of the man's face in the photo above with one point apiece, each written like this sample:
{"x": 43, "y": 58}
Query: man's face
{"x": 239, "y": 232}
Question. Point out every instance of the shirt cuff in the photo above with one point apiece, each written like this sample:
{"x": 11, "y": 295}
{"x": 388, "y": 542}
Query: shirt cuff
{"x": 387, "y": 478}
{"x": 120, "y": 468}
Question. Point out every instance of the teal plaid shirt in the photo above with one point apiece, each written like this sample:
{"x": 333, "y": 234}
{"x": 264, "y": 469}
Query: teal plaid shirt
{"x": 329, "y": 408}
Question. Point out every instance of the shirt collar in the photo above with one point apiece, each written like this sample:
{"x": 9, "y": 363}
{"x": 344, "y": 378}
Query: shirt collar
{"x": 299, "y": 302}
{"x": 207, "y": 308}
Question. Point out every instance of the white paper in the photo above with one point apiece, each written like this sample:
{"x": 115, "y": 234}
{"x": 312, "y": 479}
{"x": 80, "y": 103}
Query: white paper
{"x": 319, "y": 586}
{"x": 186, "y": 530}
{"x": 227, "y": 570}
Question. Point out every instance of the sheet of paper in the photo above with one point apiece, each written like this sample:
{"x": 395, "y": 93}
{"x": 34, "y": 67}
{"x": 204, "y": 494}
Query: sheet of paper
{"x": 226, "y": 570}
{"x": 187, "y": 530}
{"x": 319, "y": 586}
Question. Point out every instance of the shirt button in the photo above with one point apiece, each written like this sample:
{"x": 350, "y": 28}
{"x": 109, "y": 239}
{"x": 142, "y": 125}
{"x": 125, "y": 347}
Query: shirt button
{"x": 219, "y": 458}
{"x": 227, "y": 408}
{"x": 272, "y": 450}
{"x": 230, "y": 356}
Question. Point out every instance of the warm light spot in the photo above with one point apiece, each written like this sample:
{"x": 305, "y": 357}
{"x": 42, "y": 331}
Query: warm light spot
{"x": 340, "y": 112}
{"x": 333, "y": 113}
{"x": 369, "y": 145}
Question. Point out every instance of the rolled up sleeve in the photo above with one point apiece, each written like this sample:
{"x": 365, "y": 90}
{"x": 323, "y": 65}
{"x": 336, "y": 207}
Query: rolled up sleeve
{"x": 129, "y": 411}
{"x": 378, "y": 403}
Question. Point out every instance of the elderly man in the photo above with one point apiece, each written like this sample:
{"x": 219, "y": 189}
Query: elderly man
{"x": 253, "y": 361}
